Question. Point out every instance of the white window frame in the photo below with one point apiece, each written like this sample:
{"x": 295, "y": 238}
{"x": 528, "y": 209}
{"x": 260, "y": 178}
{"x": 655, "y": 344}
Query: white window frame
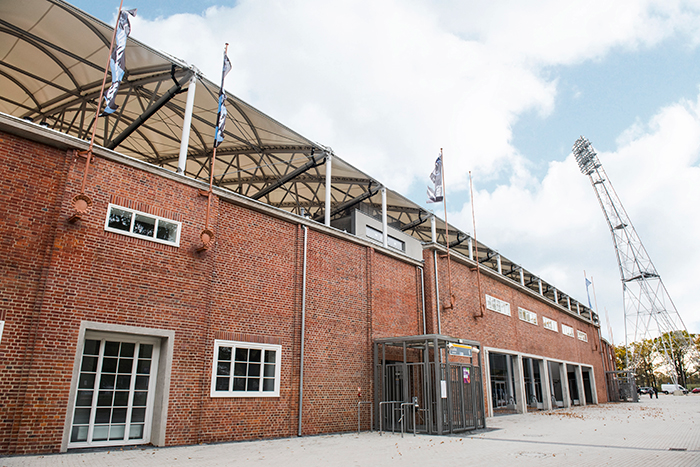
{"x": 378, "y": 236}
{"x": 247, "y": 345}
{"x": 2, "y": 325}
{"x": 550, "y": 324}
{"x": 130, "y": 232}
{"x": 567, "y": 330}
{"x": 582, "y": 336}
{"x": 497, "y": 305}
{"x": 527, "y": 316}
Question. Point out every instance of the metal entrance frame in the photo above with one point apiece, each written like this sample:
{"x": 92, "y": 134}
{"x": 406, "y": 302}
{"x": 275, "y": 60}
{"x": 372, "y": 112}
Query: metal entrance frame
{"x": 415, "y": 369}
{"x": 622, "y": 386}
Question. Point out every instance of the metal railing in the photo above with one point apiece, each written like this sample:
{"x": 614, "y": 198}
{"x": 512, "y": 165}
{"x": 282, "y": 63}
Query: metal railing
{"x": 371, "y": 414}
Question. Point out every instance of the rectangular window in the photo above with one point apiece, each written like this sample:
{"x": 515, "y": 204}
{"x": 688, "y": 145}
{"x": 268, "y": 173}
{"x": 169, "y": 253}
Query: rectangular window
{"x": 245, "y": 369}
{"x": 138, "y": 224}
{"x": 550, "y": 324}
{"x": 499, "y": 306}
{"x": 377, "y": 235}
{"x": 2, "y": 325}
{"x": 527, "y": 315}
{"x": 582, "y": 336}
{"x": 567, "y": 330}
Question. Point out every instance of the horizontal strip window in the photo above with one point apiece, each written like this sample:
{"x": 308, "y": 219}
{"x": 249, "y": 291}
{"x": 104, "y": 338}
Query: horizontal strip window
{"x": 394, "y": 243}
{"x": 567, "y": 330}
{"x": 527, "y": 315}
{"x": 499, "y": 306}
{"x": 550, "y": 324}
{"x": 582, "y": 336}
{"x": 245, "y": 369}
{"x": 138, "y": 224}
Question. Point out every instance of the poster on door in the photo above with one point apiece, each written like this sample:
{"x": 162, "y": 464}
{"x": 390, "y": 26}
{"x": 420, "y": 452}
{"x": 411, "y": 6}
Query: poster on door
{"x": 466, "y": 375}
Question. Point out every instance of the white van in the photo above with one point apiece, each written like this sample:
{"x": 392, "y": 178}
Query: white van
{"x": 671, "y": 388}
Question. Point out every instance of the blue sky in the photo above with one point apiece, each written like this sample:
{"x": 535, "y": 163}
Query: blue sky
{"x": 505, "y": 88}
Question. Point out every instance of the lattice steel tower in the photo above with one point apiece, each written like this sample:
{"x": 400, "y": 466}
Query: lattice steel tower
{"x": 649, "y": 310}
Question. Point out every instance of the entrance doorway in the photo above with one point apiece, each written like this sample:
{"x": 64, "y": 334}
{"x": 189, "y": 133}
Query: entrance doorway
{"x": 533, "y": 384}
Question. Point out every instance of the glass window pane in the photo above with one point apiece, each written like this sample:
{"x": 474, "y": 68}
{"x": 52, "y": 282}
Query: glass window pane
{"x": 107, "y": 382}
{"x": 79, "y": 433}
{"x": 140, "y": 398}
{"x": 109, "y": 365}
{"x": 270, "y": 370}
{"x": 138, "y": 415}
{"x": 240, "y": 369}
{"x": 136, "y": 432}
{"x": 121, "y": 398}
{"x": 268, "y": 384}
{"x": 239, "y": 384}
{"x": 224, "y": 353}
{"x": 89, "y": 364}
{"x": 144, "y": 225}
{"x": 222, "y": 384}
{"x": 119, "y": 415}
{"x": 81, "y": 416}
{"x": 111, "y": 349}
{"x": 241, "y": 355}
{"x": 125, "y": 365}
{"x": 145, "y": 350}
{"x": 143, "y": 367}
{"x": 253, "y": 384}
{"x": 167, "y": 231}
{"x": 127, "y": 349}
{"x": 116, "y": 432}
{"x": 84, "y": 399}
{"x": 254, "y": 369}
{"x": 255, "y": 355}
{"x": 123, "y": 381}
{"x": 104, "y": 398}
{"x": 87, "y": 381}
{"x": 223, "y": 369}
{"x": 270, "y": 356}
{"x": 119, "y": 219}
{"x": 102, "y": 415}
{"x": 141, "y": 382}
{"x": 92, "y": 347}
{"x": 100, "y": 433}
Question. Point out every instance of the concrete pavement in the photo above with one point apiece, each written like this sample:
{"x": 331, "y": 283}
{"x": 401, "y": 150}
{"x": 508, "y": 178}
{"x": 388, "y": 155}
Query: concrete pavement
{"x": 656, "y": 432}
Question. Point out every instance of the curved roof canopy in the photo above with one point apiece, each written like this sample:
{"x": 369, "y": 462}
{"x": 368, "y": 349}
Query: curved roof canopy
{"x": 52, "y": 62}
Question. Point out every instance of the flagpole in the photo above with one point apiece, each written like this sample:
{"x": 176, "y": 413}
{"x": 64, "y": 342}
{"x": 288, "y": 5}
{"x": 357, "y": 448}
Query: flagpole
{"x": 82, "y": 202}
{"x": 447, "y": 234}
{"x": 476, "y": 246}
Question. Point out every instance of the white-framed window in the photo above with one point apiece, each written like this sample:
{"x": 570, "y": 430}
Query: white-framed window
{"x": 377, "y": 235}
{"x": 549, "y": 324}
{"x": 567, "y": 330}
{"x": 527, "y": 315}
{"x": 582, "y": 336}
{"x": 499, "y": 306}
{"x": 2, "y": 325}
{"x": 245, "y": 369}
{"x": 138, "y": 224}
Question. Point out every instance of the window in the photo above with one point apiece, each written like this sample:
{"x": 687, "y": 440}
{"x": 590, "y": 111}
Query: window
{"x": 499, "y": 306}
{"x": 377, "y": 235}
{"x": 549, "y": 324}
{"x": 141, "y": 225}
{"x": 567, "y": 330}
{"x": 582, "y": 336}
{"x": 2, "y": 325}
{"x": 527, "y": 315}
{"x": 244, "y": 369}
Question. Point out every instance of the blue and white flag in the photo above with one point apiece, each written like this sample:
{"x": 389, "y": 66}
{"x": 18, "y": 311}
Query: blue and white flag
{"x": 587, "y": 293}
{"x": 436, "y": 195}
{"x": 117, "y": 61}
{"x": 221, "y": 115}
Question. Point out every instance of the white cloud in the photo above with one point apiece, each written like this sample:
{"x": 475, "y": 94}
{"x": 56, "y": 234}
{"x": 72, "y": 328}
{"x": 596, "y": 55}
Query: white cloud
{"x": 387, "y": 83}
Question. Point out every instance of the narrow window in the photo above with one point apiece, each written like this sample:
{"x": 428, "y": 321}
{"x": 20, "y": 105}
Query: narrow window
{"x": 567, "y": 330}
{"x": 141, "y": 225}
{"x": 550, "y": 324}
{"x": 527, "y": 315}
{"x": 582, "y": 336}
{"x": 499, "y": 306}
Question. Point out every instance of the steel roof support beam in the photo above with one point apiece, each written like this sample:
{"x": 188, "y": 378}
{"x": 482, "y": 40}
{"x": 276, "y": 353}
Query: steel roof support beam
{"x": 314, "y": 162}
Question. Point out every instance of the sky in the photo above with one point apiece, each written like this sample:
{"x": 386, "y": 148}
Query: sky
{"x": 504, "y": 88}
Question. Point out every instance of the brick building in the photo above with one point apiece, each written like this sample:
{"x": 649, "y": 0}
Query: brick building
{"x": 121, "y": 325}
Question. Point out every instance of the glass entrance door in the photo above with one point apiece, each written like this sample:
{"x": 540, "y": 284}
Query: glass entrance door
{"x": 114, "y": 398}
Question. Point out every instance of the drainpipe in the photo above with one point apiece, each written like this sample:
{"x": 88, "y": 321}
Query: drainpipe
{"x": 186, "y": 124}
{"x": 437, "y": 291}
{"x": 303, "y": 322}
{"x": 422, "y": 294}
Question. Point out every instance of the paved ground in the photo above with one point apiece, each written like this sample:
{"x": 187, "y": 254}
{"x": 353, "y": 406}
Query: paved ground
{"x": 657, "y": 432}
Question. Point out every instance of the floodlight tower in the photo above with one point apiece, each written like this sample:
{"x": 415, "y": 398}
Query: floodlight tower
{"x": 649, "y": 310}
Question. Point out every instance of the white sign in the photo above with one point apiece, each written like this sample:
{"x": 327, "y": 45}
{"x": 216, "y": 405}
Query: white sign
{"x": 443, "y": 389}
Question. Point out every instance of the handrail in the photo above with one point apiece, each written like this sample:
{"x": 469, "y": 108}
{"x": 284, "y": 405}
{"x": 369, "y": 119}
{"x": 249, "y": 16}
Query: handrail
{"x": 381, "y": 415}
{"x": 371, "y": 414}
{"x": 413, "y": 404}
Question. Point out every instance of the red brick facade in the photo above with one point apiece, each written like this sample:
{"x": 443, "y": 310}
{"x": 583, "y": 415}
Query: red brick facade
{"x": 56, "y": 275}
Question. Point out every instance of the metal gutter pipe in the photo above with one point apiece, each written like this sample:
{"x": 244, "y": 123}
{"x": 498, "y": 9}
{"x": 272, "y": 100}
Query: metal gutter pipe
{"x": 303, "y": 323}
{"x": 437, "y": 291}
